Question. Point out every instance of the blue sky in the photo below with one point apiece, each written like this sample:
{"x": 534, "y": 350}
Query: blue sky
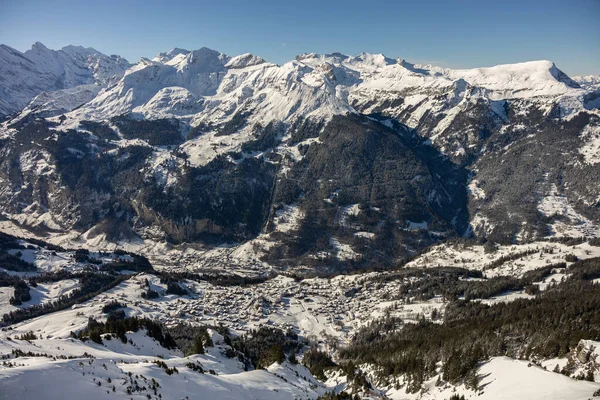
{"x": 450, "y": 33}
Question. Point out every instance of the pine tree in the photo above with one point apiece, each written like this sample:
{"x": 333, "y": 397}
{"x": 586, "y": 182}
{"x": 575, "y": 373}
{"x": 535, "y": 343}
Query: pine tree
{"x": 292, "y": 358}
{"x": 198, "y": 346}
{"x": 95, "y": 336}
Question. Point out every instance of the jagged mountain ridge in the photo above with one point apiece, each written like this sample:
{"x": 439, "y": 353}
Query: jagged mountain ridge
{"x": 196, "y": 144}
{"x": 588, "y": 81}
{"x": 211, "y": 87}
{"x": 36, "y": 73}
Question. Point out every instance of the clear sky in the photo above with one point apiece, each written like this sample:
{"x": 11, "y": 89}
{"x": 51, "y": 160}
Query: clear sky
{"x": 449, "y": 33}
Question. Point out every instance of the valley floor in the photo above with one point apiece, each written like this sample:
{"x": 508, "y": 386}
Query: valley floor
{"x": 325, "y": 311}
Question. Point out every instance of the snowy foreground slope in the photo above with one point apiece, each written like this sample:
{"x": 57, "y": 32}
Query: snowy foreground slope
{"x": 327, "y": 312}
{"x": 506, "y": 379}
{"x": 95, "y": 376}
{"x": 95, "y": 369}
{"x": 106, "y": 374}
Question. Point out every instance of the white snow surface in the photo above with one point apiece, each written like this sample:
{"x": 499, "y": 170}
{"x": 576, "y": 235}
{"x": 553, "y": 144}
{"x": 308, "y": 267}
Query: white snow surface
{"x": 94, "y": 378}
{"x": 320, "y": 84}
{"x": 591, "y": 148}
{"x": 555, "y": 204}
{"x": 319, "y": 309}
{"x": 36, "y": 376}
{"x": 208, "y": 88}
{"x": 26, "y": 75}
{"x": 503, "y": 378}
{"x": 531, "y": 256}
{"x": 588, "y": 81}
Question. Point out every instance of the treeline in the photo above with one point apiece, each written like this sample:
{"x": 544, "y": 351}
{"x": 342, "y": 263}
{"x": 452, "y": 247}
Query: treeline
{"x": 547, "y": 326}
{"x": 317, "y": 363}
{"x": 257, "y": 349}
{"x": 338, "y": 396}
{"x": 214, "y": 279}
{"x": 13, "y": 262}
{"x": 21, "y": 294}
{"x": 586, "y": 269}
{"x": 454, "y": 283}
{"x": 173, "y": 286}
{"x": 117, "y": 324}
{"x": 113, "y": 306}
{"x": 91, "y": 285}
{"x": 138, "y": 263}
{"x": 158, "y": 132}
{"x": 191, "y": 339}
{"x": 509, "y": 257}
{"x": 266, "y": 345}
{"x": 43, "y": 277}
{"x": 7, "y": 280}
{"x": 21, "y": 288}
{"x": 405, "y": 273}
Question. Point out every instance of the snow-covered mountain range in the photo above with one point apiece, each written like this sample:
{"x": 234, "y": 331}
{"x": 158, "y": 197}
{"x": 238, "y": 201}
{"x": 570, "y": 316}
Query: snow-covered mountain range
{"x": 588, "y": 81}
{"x": 74, "y": 75}
{"x": 327, "y": 157}
{"x": 208, "y": 87}
{"x": 200, "y": 224}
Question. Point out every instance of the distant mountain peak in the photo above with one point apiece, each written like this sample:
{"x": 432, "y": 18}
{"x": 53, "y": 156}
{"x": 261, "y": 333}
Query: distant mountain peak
{"x": 188, "y": 121}
{"x": 169, "y": 55}
{"x": 41, "y": 69}
{"x": 38, "y": 46}
{"x": 322, "y": 73}
{"x": 244, "y": 60}
{"x": 376, "y": 59}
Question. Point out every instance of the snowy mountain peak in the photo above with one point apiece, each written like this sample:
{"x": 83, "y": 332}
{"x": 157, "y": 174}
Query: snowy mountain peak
{"x": 243, "y": 61}
{"x": 378, "y": 60}
{"x": 207, "y": 85}
{"x": 38, "y": 46}
{"x": 80, "y": 51}
{"x": 591, "y": 82}
{"x": 40, "y": 69}
{"x": 202, "y": 60}
{"x": 562, "y": 77}
{"x": 307, "y": 56}
{"x": 167, "y": 56}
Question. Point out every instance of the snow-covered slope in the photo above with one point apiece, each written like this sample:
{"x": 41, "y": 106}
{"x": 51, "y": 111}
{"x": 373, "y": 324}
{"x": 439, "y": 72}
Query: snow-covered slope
{"x": 123, "y": 371}
{"x": 327, "y": 310}
{"x": 24, "y": 76}
{"x": 207, "y": 86}
{"x": 186, "y": 120}
{"x": 588, "y": 81}
{"x": 213, "y": 91}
